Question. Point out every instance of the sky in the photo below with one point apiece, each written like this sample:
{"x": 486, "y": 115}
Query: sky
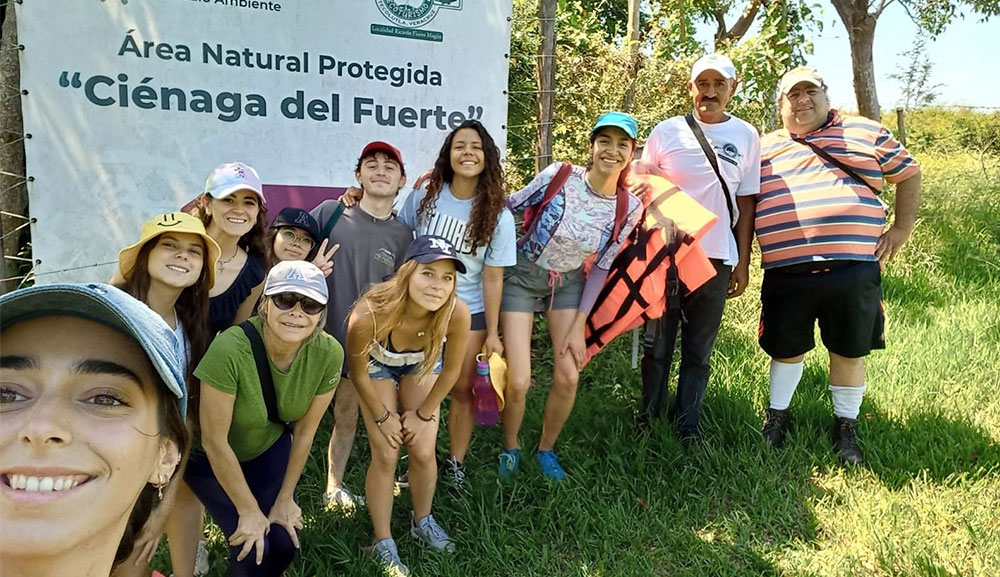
{"x": 965, "y": 59}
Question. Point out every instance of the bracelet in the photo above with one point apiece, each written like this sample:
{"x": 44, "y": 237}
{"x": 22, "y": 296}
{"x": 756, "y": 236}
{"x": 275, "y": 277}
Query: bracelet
{"x": 383, "y": 418}
{"x": 421, "y": 417}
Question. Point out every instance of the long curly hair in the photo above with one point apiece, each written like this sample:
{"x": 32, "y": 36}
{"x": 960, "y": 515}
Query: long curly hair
{"x": 490, "y": 189}
{"x": 388, "y": 301}
{"x": 192, "y": 312}
{"x": 253, "y": 241}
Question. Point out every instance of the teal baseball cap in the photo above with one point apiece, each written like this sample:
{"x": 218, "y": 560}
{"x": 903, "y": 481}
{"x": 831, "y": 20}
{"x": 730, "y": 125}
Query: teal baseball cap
{"x": 620, "y": 120}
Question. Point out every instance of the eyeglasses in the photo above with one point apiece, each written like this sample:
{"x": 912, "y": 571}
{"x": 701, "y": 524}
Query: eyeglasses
{"x": 291, "y": 237}
{"x": 286, "y": 301}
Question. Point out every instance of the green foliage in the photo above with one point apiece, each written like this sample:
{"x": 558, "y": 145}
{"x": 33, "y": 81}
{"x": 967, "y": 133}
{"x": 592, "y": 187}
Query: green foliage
{"x": 593, "y": 63}
{"x": 946, "y": 130}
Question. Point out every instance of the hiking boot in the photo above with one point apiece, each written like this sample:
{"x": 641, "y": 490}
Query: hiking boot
{"x": 453, "y": 475}
{"x": 431, "y": 534}
{"x": 342, "y": 500}
{"x": 776, "y": 427}
{"x": 845, "y": 432}
{"x": 387, "y": 557}
{"x": 510, "y": 463}
{"x": 549, "y": 463}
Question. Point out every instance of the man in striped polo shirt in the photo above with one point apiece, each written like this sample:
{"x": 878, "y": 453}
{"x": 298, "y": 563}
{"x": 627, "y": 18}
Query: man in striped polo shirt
{"x": 822, "y": 231}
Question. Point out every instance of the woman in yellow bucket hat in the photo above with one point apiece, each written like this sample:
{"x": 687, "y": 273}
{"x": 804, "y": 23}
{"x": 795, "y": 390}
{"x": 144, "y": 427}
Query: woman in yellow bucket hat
{"x": 171, "y": 268}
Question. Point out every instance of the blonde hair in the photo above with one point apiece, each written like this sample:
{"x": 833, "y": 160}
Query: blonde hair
{"x": 387, "y": 302}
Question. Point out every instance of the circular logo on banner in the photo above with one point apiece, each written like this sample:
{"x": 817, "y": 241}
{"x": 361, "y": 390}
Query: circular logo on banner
{"x": 409, "y": 13}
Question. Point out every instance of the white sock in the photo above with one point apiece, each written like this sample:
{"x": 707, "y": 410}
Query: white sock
{"x": 784, "y": 379}
{"x": 847, "y": 401}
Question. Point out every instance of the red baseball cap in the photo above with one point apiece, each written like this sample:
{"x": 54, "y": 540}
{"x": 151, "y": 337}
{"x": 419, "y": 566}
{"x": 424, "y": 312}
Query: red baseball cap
{"x": 379, "y": 146}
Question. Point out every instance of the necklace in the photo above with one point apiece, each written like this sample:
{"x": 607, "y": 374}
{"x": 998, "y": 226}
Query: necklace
{"x": 421, "y": 333}
{"x": 222, "y": 263}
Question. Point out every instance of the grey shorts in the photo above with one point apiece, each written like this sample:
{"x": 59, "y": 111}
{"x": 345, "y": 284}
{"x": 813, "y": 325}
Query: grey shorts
{"x": 528, "y": 288}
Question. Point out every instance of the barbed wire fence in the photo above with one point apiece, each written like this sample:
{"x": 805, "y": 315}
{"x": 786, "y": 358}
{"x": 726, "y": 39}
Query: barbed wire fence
{"x": 18, "y": 268}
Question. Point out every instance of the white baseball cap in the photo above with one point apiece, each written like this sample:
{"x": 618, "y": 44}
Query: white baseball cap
{"x": 299, "y": 277}
{"x": 718, "y": 62}
{"x": 233, "y": 176}
{"x": 800, "y": 74}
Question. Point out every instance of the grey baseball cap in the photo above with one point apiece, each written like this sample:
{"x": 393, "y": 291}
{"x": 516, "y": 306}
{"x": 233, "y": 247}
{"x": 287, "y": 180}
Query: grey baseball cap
{"x": 299, "y": 277}
{"x": 110, "y": 307}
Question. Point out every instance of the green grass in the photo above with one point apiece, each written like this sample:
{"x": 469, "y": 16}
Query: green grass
{"x": 925, "y": 503}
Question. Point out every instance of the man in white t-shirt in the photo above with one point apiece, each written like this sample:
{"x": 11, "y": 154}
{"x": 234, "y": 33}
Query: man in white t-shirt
{"x": 674, "y": 148}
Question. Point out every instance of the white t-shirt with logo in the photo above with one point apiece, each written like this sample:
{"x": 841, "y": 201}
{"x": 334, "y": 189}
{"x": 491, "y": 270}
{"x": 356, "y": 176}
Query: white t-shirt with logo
{"x": 673, "y": 147}
{"x": 449, "y": 218}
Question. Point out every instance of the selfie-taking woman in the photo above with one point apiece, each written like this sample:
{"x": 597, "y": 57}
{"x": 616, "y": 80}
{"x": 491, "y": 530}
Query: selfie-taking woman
{"x": 92, "y": 405}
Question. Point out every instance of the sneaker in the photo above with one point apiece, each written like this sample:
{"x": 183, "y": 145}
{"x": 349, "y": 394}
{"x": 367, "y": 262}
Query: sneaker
{"x": 342, "y": 500}
{"x": 201, "y": 560}
{"x": 431, "y": 534}
{"x": 845, "y": 433}
{"x": 776, "y": 427}
{"x": 387, "y": 557}
{"x": 549, "y": 463}
{"x": 403, "y": 482}
{"x": 453, "y": 475}
{"x": 510, "y": 463}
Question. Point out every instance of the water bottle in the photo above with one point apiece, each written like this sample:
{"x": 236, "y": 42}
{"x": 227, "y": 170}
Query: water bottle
{"x": 485, "y": 406}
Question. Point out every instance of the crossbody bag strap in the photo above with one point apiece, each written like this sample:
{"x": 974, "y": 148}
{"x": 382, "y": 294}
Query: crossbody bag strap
{"x": 713, "y": 159}
{"x": 330, "y": 222}
{"x": 553, "y": 187}
{"x": 829, "y": 158}
{"x": 263, "y": 372}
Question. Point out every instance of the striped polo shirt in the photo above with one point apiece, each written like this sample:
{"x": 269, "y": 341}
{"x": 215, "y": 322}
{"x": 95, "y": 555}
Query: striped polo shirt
{"x": 808, "y": 209}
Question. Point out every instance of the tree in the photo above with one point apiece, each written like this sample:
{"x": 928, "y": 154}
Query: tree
{"x": 859, "y": 18}
{"x": 916, "y": 76}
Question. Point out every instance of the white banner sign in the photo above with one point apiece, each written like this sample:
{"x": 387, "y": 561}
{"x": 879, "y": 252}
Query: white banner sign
{"x": 131, "y": 103}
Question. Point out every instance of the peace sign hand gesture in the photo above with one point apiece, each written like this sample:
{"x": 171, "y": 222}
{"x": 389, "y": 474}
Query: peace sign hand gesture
{"x": 324, "y": 258}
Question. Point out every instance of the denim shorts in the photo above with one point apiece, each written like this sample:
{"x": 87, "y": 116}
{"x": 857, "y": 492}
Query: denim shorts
{"x": 378, "y": 371}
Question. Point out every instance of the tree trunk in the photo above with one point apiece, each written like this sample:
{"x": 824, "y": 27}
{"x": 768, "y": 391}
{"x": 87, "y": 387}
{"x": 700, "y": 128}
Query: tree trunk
{"x": 635, "y": 57}
{"x": 860, "y": 27}
{"x": 546, "y": 81}
{"x": 13, "y": 193}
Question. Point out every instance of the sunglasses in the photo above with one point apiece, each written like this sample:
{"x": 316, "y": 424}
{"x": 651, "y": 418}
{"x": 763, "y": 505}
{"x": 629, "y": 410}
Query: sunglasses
{"x": 286, "y": 301}
{"x": 292, "y": 238}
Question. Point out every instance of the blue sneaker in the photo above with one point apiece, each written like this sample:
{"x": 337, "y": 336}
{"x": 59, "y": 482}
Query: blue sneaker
{"x": 510, "y": 463}
{"x": 549, "y": 463}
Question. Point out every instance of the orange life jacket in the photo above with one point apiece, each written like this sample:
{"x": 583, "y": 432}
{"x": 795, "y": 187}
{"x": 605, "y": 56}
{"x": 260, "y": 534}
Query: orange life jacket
{"x": 645, "y": 272}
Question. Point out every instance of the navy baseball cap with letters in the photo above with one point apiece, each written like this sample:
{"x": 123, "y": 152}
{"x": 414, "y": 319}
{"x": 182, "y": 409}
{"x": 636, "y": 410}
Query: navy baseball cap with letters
{"x": 298, "y": 218}
{"x": 429, "y": 248}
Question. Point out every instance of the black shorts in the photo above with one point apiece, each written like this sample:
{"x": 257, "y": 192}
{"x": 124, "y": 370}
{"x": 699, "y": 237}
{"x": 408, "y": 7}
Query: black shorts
{"x": 846, "y": 300}
{"x": 478, "y": 322}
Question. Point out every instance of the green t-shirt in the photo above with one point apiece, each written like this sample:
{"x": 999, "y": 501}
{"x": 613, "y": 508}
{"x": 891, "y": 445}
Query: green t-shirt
{"x": 229, "y": 366}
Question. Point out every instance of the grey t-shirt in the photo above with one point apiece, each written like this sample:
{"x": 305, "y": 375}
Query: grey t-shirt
{"x": 370, "y": 251}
